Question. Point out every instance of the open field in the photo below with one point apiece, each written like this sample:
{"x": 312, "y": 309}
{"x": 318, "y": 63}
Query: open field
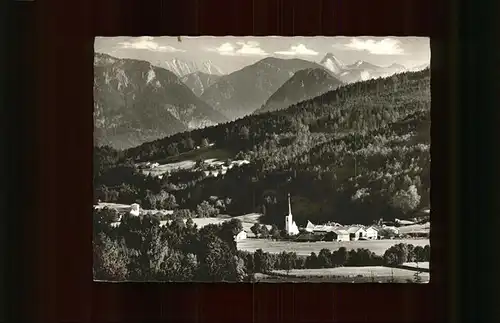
{"x": 247, "y": 221}
{"x": 415, "y": 228}
{"x": 343, "y": 275}
{"x": 305, "y": 248}
{"x": 424, "y": 265}
{"x": 116, "y": 206}
{"x": 187, "y": 161}
{"x": 163, "y": 168}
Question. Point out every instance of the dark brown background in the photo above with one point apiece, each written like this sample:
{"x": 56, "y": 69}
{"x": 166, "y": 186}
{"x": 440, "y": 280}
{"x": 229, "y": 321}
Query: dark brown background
{"x": 56, "y": 284}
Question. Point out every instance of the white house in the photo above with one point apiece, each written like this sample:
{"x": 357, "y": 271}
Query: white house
{"x": 290, "y": 225}
{"x": 356, "y": 232}
{"x": 341, "y": 235}
{"x": 240, "y": 236}
{"x": 371, "y": 233}
{"x": 134, "y": 209}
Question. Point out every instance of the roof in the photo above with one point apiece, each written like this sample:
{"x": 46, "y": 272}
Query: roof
{"x": 340, "y": 231}
{"x": 374, "y": 228}
{"x": 354, "y": 229}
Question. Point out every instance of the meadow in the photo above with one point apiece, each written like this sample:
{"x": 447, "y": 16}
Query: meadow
{"x": 366, "y": 274}
{"x": 305, "y": 248}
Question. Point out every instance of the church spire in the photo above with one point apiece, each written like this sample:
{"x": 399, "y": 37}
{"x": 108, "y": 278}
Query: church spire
{"x": 289, "y": 206}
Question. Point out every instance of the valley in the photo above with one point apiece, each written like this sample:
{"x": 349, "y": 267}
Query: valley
{"x": 294, "y": 165}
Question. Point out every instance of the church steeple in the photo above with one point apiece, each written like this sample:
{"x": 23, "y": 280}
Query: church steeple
{"x": 289, "y": 206}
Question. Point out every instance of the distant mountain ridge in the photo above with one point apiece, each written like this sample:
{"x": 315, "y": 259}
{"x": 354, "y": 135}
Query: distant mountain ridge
{"x": 304, "y": 84}
{"x": 135, "y": 102}
{"x": 183, "y": 67}
{"x": 358, "y": 71}
{"x": 244, "y": 91}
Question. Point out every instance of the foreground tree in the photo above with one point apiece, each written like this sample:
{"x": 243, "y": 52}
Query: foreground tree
{"x": 110, "y": 260}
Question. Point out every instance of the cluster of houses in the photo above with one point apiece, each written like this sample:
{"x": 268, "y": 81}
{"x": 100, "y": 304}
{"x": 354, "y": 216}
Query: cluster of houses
{"x": 336, "y": 231}
{"x": 219, "y": 167}
{"x": 347, "y": 233}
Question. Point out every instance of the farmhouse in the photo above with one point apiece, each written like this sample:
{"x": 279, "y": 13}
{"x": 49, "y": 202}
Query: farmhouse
{"x": 372, "y": 233}
{"x": 356, "y": 232}
{"x": 240, "y": 236}
{"x": 309, "y": 226}
{"x": 340, "y": 235}
{"x": 135, "y": 209}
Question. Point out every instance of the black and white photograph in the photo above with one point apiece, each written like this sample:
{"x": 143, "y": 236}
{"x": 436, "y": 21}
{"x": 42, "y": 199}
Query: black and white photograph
{"x": 262, "y": 159}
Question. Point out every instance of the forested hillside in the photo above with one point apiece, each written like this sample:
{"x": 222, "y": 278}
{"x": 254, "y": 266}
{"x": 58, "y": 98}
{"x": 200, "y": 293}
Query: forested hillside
{"x": 353, "y": 155}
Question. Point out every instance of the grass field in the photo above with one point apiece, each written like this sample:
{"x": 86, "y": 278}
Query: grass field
{"x": 376, "y": 271}
{"x": 415, "y": 228}
{"x": 202, "y": 153}
{"x": 424, "y": 265}
{"x": 343, "y": 275}
{"x": 305, "y": 248}
{"x": 247, "y": 221}
{"x": 188, "y": 159}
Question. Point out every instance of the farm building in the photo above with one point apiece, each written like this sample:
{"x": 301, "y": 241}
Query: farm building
{"x": 309, "y": 227}
{"x": 340, "y": 235}
{"x": 240, "y": 236}
{"x": 322, "y": 228}
{"x": 356, "y": 232}
{"x": 372, "y": 233}
{"x": 135, "y": 209}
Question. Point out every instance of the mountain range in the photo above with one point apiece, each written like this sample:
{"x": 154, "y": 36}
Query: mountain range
{"x": 358, "y": 71}
{"x": 304, "y": 84}
{"x": 135, "y": 102}
{"x": 182, "y": 68}
{"x": 244, "y": 91}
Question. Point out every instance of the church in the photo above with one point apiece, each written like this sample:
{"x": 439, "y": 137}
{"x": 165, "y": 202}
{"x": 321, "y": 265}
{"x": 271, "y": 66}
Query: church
{"x": 290, "y": 225}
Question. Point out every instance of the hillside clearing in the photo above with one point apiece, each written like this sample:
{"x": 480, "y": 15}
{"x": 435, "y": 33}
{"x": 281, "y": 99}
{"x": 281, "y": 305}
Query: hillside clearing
{"x": 201, "y": 153}
{"x": 247, "y": 221}
{"x": 305, "y": 248}
{"x": 415, "y": 228}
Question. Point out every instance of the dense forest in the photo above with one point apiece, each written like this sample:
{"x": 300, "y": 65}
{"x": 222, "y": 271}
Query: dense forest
{"x": 352, "y": 155}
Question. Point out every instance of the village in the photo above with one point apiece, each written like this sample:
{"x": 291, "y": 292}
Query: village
{"x": 333, "y": 232}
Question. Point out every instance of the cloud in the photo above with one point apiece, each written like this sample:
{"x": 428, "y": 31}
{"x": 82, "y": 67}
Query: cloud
{"x": 250, "y": 48}
{"x": 148, "y": 43}
{"x": 244, "y": 48}
{"x": 298, "y": 50}
{"x": 386, "y": 46}
{"x": 224, "y": 49}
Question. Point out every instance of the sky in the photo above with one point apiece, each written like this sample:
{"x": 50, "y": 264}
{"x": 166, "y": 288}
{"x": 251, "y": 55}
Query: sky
{"x": 233, "y": 53}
